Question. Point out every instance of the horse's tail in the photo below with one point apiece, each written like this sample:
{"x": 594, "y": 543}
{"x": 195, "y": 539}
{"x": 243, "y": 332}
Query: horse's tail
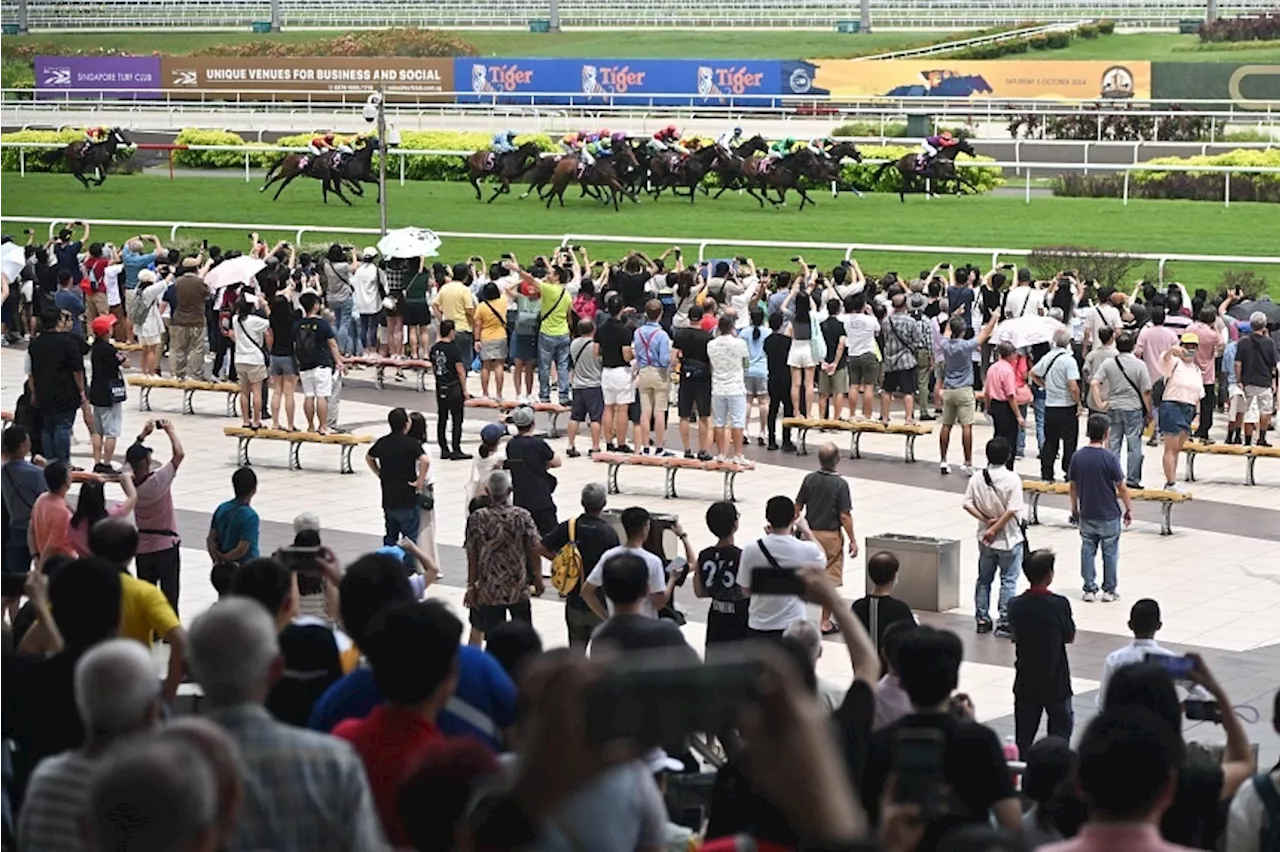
{"x": 52, "y": 156}
{"x": 884, "y": 167}
{"x": 275, "y": 167}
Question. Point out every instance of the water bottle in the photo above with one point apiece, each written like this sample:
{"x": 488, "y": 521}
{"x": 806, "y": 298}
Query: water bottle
{"x": 1010, "y": 749}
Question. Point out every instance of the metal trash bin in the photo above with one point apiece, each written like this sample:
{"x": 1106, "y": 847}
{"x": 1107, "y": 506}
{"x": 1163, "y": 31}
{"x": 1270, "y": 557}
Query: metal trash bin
{"x": 928, "y": 569}
{"x": 260, "y": 26}
{"x": 539, "y": 26}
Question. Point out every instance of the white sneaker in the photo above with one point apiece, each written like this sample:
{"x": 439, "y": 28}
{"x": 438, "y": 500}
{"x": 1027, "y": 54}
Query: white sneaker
{"x": 944, "y": 468}
{"x": 1108, "y": 597}
{"x": 966, "y": 469}
{"x": 522, "y": 400}
{"x": 1178, "y": 487}
{"x": 1090, "y": 597}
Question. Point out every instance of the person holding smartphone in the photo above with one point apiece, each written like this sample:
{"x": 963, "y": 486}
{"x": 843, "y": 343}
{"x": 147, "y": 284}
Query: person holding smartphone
{"x": 787, "y": 544}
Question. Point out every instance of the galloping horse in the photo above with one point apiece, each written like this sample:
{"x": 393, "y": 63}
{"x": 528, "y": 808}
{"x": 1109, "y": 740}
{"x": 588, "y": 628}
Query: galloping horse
{"x": 692, "y": 169}
{"x": 355, "y": 169}
{"x": 319, "y": 167}
{"x": 835, "y": 156}
{"x": 785, "y": 174}
{"x": 603, "y": 173}
{"x": 507, "y": 167}
{"x": 729, "y": 169}
{"x": 940, "y": 169}
{"x": 84, "y": 156}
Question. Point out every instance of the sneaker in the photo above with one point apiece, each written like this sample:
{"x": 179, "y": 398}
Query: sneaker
{"x": 103, "y": 468}
{"x": 1002, "y": 631}
{"x": 1090, "y": 597}
{"x": 944, "y": 468}
{"x": 1262, "y": 442}
{"x": 572, "y": 453}
{"x": 927, "y": 416}
{"x": 788, "y": 447}
{"x": 591, "y": 452}
{"x": 772, "y": 446}
{"x": 664, "y": 453}
{"x": 1135, "y": 486}
{"x": 688, "y": 454}
{"x": 1108, "y": 597}
{"x": 966, "y": 469}
{"x": 983, "y": 625}
{"x": 459, "y": 455}
{"x": 760, "y": 442}
{"x": 644, "y": 451}
{"x": 610, "y": 448}
{"x": 1178, "y": 487}
{"x": 703, "y": 456}
{"x": 623, "y": 448}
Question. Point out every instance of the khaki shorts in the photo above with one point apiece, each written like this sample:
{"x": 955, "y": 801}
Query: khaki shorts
{"x": 1260, "y": 397}
{"x": 252, "y": 373}
{"x": 833, "y": 383}
{"x": 654, "y": 388}
{"x": 957, "y": 405}
{"x": 832, "y": 542}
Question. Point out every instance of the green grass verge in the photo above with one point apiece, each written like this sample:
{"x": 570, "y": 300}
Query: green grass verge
{"x": 995, "y": 221}
{"x": 1160, "y": 47}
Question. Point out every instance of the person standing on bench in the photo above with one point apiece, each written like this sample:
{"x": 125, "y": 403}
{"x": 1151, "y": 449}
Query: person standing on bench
{"x": 449, "y": 367}
{"x": 316, "y": 350}
{"x": 1059, "y": 374}
{"x": 1255, "y": 370}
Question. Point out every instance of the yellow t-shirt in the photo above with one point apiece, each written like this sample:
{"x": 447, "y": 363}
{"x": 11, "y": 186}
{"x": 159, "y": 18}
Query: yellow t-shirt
{"x": 144, "y": 610}
{"x": 555, "y": 305}
{"x": 453, "y": 300}
{"x": 491, "y": 324}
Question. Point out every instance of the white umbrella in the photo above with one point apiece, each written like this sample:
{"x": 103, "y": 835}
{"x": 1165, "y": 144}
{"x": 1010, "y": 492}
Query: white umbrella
{"x": 12, "y": 259}
{"x": 409, "y": 243}
{"x": 1027, "y": 331}
{"x": 234, "y": 271}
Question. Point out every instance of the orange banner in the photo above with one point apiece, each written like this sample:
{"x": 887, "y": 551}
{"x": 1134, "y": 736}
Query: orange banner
{"x": 982, "y": 78}
{"x": 205, "y": 75}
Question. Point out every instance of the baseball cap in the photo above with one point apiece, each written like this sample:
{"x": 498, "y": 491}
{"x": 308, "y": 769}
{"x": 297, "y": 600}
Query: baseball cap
{"x": 521, "y": 417}
{"x": 64, "y": 233}
{"x": 306, "y": 521}
{"x": 369, "y": 252}
{"x": 395, "y": 551}
{"x": 659, "y": 761}
{"x": 137, "y": 454}
{"x": 1189, "y": 337}
{"x": 1244, "y": 327}
{"x": 190, "y": 263}
{"x": 492, "y": 433}
{"x": 101, "y": 325}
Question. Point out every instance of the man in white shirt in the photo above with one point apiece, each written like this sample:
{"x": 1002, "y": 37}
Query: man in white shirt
{"x": 994, "y": 497}
{"x": 1110, "y": 311}
{"x": 1023, "y": 299}
{"x": 728, "y": 356}
{"x": 860, "y": 329}
{"x": 635, "y": 524}
{"x": 769, "y": 615}
{"x": 1144, "y": 621}
{"x": 1255, "y": 806}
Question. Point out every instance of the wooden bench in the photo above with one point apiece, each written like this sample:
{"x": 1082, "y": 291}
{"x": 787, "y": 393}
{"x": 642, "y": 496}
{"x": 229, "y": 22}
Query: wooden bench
{"x": 553, "y": 410}
{"x": 1037, "y": 489}
{"x": 381, "y": 364}
{"x": 189, "y": 388}
{"x": 856, "y": 429}
{"x": 296, "y": 439}
{"x": 671, "y": 465}
{"x": 6, "y": 416}
{"x": 126, "y": 347}
{"x": 1251, "y": 456}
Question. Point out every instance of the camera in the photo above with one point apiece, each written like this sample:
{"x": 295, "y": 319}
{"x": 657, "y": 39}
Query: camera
{"x": 371, "y": 107}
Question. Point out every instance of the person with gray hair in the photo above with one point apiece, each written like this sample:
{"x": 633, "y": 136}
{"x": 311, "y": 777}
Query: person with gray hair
{"x": 1255, "y": 369}
{"x": 590, "y": 535}
{"x": 1059, "y": 374}
{"x": 304, "y": 790}
{"x": 502, "y": 560}
{"x": 117, "y": 694}
{"x": 805, "y": 633}
{"x": 154, "y": 796}
{"x": 223, "y": 756}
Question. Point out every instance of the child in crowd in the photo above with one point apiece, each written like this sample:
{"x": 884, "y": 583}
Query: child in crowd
{"x": 716, "y": 577}
{"x": 879, "y": 609}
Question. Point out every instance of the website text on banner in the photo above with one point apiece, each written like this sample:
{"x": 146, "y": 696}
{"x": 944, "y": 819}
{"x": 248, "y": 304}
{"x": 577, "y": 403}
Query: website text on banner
{"x": 192, "y": 76}
{"x": 978, "y": 78}
{"x": 104, "y": 76}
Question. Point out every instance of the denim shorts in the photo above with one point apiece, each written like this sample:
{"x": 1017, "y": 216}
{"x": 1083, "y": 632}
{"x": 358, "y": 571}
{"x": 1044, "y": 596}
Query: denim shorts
{"x": 1176, "y": 417}
{"x": 282, "y": 365}
{"x": 525, "y": 347}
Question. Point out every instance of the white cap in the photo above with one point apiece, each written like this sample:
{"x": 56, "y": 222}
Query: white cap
{"x": 369, "y": 253}
{"x": 659, "y": 761}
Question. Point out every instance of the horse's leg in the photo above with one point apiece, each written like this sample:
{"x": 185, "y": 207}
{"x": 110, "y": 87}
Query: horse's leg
{"x": 79, "y": 175}
{"x": 285, "y": 183}
{"x": 475, "y": 184}
{"x": 804, "y": 197}
{"x": 337, "y": 190}
{"x": 502, "y": 186}
{"x": 101, "y": 174}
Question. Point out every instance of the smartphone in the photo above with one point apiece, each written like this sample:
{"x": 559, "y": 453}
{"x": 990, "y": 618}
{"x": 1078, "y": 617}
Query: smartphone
{"x": 162, "y": 424}
{"x": 204, "y": 244}
{"x": 1179, "y": 668}
{"x": 680, "y": 568}
{"x": 920, "y": 764}
{"x": 795, "y": 260}
{"x": 11, "y": 584}
{"x": 1202, "y": 711}
{"x": 776, "y": 581}
{"x": 506, "y": 256}
{"x": 299, "y": 559}
{"x": 654, "y": 697}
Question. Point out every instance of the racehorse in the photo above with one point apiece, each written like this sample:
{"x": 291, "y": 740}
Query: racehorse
{"x": 786, "y": 173}
{"x": 355, "y": 169}
{"x": 507, "y": 167}
{"x": 729, "y": 169}
{"x": 319, "y": 167}
{"x": 691, "y": 170}
{"x": 84, "y": 156}
{"x": 603, "y": 173}
{"x": 836, "y": 155}
{"x": 940, "y": 169}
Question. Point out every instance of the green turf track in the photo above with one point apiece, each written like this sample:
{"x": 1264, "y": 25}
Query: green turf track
{"x": 985, "y": 221}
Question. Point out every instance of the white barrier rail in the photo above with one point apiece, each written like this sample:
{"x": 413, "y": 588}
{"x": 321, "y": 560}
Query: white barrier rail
{"x": 299, "y": 231}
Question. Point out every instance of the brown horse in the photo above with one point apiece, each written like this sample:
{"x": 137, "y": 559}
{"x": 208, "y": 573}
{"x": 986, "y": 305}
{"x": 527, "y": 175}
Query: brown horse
{"x": 729, "y": 169}
{"x": 784, "y": 174}
{"x": 506, "y": 167}
{"x": 95, "y": 157}
{"x": 309, "y": 165}
{"x": 935, "y": 172}
{"x": 602, "y": 173}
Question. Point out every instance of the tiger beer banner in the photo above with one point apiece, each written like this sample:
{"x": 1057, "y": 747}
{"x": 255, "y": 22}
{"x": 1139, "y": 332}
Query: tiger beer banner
{"x": 259, "y": 77}
{"x": 980, "y": 78}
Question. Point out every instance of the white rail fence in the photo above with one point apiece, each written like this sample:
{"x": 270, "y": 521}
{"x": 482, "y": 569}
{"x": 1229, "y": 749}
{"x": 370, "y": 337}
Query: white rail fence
{"x": 703, "y": 243}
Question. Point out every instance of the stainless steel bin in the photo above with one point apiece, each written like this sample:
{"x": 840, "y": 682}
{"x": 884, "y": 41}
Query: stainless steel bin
{"x": 928, "y": 569}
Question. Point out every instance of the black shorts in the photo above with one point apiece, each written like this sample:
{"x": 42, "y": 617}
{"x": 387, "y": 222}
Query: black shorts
{"x": 694, "y": 394}
{"x": 588, "y": 403}
{"x": 417, "y": 313}
{"x": 900, "y": 381}
{"x": 727, "y": 621}
{"x": 485, "y": 618}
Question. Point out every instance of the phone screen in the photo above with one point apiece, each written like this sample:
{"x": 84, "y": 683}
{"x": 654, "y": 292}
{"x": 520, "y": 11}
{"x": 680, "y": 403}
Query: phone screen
{"x": 678, "y": 567}
{"x": 300, "y": 559}
{"x": 920, "y": 765}
{"x": 776, "y": 581}
{"x": 1178, "y": 667}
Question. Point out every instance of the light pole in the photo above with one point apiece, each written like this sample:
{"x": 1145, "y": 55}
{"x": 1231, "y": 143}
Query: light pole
{"x": 375, "y": 110}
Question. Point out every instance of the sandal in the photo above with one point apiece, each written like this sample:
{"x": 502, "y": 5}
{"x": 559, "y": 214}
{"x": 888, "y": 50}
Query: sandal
{"x": 830, "y": 631}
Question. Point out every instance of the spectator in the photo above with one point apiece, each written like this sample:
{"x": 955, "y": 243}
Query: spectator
{"x": 501, "y": 544}
{"x": 282, "y": 368}
{"x": 70, "y": 301}
{"x": 833, "y": 372}
{"x": 151, "y": 290}
{"x": 797, "y": 305}
{"x": 95, "y": 294}
{"x": 1121, "y": 389}
{"x": 117, "y": 695}
{"x": 588, "y": 397}
{"x": 401, "y": 464}
{"x": 1181, "y": 393}
{"x": 1098, "y": 356}
{"x": 880, "y": 610}
{"x": 892, "y": 701}
{"x": 694, "y": 394}
{"x": 958, "y": 402}
{"x": 1234, "y": 391}
{"x": 1042, "y": 628}
{"x": 368, "y": 289}
{"x": 777, "y": 346}
{"x": 416, "y": 687}
{"x": 316, "y": 351}
{"x": 249, "y": 331}
{"x": 437, "y": 794}
{"x": 1252, "y": 821}
{"x": 49, "y": 531}
{"x": 1058, "y": 373}
{"x": 804, "y": 633}
{"x": 553, "y": 328}
{"x": 715, "y": 576}
{"x": 652, "y": 349}
{"x": 417, "y": 312}
{"x": 995, "y": 499}
{"x": 450, "y": 371}
{"x": 91, "y": 507}
{"x": 56, "y": 383}
{"x": 1000, "y": 386}
{"x": 188, "y": 343}
{"x": 974, "y": 768}
{"x": 615, "y": 346}
{"x": 788, "y": 544}
{"x": 233, "y": 529}
{"x": 213, "y": 744}
{"x": 427, "y": 495}
{"x": 861, "y": 329}
{"x": 1255, "y": 371}
{"x": 530, "y": 460}
{"x": 1096, "y": 483}
{"x": 455, "y": 303}
{"x": 728, "y": 356}
{"x": 107, "y": 393}
{"x": 1208, "y": 350}
{"x": 1144, "y": 621}
{"x": 901, "y": 340}
{"x": 335, "y": 274}
{"x": 491, "y": 339}
{"x": 24, "y": 482}
{"x": 592, "y": 535}
{"x": 1051, "y": 766}
{"x": 635, "y": 525}
{"x": 309, "y": 791}
{"x": 514, "y": 644}
{"x": 159, "y": 556}
{"x": 627, "y": 581}
{"x": 490, "y": 456}
{"x": 828, "y": 508}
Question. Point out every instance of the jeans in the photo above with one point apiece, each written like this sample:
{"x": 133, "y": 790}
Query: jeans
{"x": 449, "y": 406}
{"x": 553, "y": 349}
{"x": 1022, "y": 433}
{"x": 1093, "y": 533}
{"x": 368, "y": 336}
{"x": 1009, "y": 562}
{"x": 1026, "y": 720}
{"x": 342, "y": 326}
{"x": 405, "y": 522}
{"x": 164, "y": 569}
{"x": 1126, "y": 426}
{"x": 1061, "y": 426}
{"x": 57, "y": 435}
{"x": 1037, "y": 405}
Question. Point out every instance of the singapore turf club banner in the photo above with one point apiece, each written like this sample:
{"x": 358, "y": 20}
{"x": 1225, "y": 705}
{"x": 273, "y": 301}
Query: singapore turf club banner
{"x": 284, "y": 78}
{"x": 122, "y": 77}
{"x": 981, "y": 78}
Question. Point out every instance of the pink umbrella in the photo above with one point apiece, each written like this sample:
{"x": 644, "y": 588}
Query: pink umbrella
{"x": 234, "y": 271}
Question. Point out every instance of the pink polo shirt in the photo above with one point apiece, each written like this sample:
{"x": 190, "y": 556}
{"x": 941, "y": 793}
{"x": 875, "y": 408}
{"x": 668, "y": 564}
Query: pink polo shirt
{"x": 1182, "y": 382}
{"x": 1001, "y": 381}
{"x": 1210, "y": 339}
{"x": 1154, "y": 341}
{"x": 1129, "y": 837}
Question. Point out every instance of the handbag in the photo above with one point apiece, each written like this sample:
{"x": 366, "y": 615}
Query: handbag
{"x": 1022, "y": 524}
{"x": 427, "y": 498}
{"x": 818, "y": 345}
{"x": 1146, "y": 415}
{"x": 119, "y": 391}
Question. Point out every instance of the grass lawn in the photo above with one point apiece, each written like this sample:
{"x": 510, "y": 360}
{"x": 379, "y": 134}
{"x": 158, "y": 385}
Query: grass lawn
{"x": 987, "y": 221}
{"x": 1161, "y": 47}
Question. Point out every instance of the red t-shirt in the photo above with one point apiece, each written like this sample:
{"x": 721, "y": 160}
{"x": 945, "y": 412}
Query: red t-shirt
{"x": 390, "y": 741}
{"x": 95, "y": 271}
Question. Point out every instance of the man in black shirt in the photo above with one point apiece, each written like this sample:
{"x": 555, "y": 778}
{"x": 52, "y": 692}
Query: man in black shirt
{"x": 716, "y": 577}
{"x": 693, "y": 400}
{"x": 613, "y": 345}
{"x": 1042, "y": 628}
{"x": 833, "y": 375}
{"x": 777, "y": 346}
{"x": 1255, "y": 370}
{"x": 451, "y": 390}
{"x": 400, "y": 463}
{"x": 593, "y": 535}
{"x": 528, "y": 459}
{"x": 630, "y": 280}
{"x": 626, "y": 584}
{"x": 56, "y": 371}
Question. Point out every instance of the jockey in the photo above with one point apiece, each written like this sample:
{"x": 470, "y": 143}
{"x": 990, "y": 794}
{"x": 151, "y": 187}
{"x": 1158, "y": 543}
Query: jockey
{"x": 94, "y": 135}
{"x": 504, "y": 142}
{"x": 933, "y": 145}
{"x": 726, "y": 140}
{"x": 602, "y": 147}
{"x": 668, "y": 139}
{"x": 322, "y": 143}
{"x": 572, "y": 141}
{"x": 781, "y": 148}
{"x": 819, "y": 146}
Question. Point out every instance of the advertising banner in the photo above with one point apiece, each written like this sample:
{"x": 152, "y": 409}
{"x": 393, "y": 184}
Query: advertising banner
{"x": 1195, "y": 84}
{"x": 980, "y": 78}
{"x": 656, "y": 82}
{"x": 260, "y": 77}
{"x": 97, "y": 77}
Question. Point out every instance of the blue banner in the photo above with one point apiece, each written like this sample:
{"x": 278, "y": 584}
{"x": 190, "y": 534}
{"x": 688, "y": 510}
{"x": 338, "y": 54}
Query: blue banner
{"x": 654, "y": 82}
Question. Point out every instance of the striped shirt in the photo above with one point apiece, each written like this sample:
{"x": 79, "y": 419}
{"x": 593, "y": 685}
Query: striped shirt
{"x": 57, "y": 796}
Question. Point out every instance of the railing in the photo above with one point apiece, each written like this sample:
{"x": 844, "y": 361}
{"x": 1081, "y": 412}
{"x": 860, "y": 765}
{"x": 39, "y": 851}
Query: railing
{"x": 976, "y": 41}
{"x": 572, "y": 239}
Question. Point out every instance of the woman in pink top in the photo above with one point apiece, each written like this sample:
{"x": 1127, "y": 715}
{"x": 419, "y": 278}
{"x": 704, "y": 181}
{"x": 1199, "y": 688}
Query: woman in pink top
{"x": 50, "y": 517}
{"x": 1209, "y": 348}
{"x": 1183, "y": 390}
{"x": 92, "y": 507}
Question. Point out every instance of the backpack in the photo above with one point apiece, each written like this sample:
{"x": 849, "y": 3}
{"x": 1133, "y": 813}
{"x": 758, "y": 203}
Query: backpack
{"x": 566, "y": 568}
{"x": 1269, "y": 840}
{"x": 306, "y": 344}
{"x": 140, "y": 308}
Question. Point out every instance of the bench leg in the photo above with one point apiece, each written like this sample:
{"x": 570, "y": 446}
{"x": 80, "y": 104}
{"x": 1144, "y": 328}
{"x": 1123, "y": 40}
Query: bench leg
{"x": 729, "y": 477}
{"x": 295, "y": 463}
{"x": 1249, "y": 461}
{"x": 144, "y": 399}
{"x": 232, "y": 399}
{"x": 804, "y": 441}
{"x": 188, "y": 400}
{"x": 553, "y": 430}
{"x": 611, "y": 479}
{"x": 379, "y": 376}
{"x": 855, "y": 446}
{"x": 242, "y": 452}
{"x": 422, "y": 380}
{"x": 911, "y": 448}
{"x": 344, "y": 463}
{"x": 1035, "y": 508}
{"x": 671, "y": 483}
{"x": 1166, "y": 518}
{"x": 1191, "y": 467}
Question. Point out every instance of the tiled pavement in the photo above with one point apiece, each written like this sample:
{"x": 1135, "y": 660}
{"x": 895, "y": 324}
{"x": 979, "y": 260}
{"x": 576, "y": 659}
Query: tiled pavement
{"x": 1217, "y": 578}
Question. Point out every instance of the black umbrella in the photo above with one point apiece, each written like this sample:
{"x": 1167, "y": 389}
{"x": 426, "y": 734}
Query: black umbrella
{"x": 1242, "y": 310}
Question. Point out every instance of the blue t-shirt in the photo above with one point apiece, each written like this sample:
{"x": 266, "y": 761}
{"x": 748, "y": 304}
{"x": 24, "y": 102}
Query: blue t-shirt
{"x": 1096, "y": 472}
{"x": 235, "y": 522}
{"x": 72, "y": 302}
{"x": 957, "y": 355}
{"x": 134, "y": 263}
{"x": 483, "y": 704}
{"x": 68, "y": 258}
{"x": 957, "y": 296}
{"x": 757, "y": 364}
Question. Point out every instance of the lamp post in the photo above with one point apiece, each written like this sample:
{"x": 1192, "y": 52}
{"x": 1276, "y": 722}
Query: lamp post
{"x": 375, "y": 110}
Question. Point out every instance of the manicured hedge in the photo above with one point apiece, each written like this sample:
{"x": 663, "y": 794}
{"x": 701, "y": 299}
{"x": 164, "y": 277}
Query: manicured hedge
{"x": 1196, "y": 186}
{"x": 38, "y": 159}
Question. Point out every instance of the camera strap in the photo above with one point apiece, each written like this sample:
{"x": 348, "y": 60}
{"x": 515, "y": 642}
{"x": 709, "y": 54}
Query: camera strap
{"x": 767, "y": 555}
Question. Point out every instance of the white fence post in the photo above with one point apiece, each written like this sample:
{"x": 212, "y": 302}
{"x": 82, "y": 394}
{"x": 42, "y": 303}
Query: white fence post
{"x": 1028, "y": 186}
{"x": 246, "y": 166}
{"x": 1226, "y": 191}
{"x": 22, "y": 162}
{"x": 1126, "y": 189}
